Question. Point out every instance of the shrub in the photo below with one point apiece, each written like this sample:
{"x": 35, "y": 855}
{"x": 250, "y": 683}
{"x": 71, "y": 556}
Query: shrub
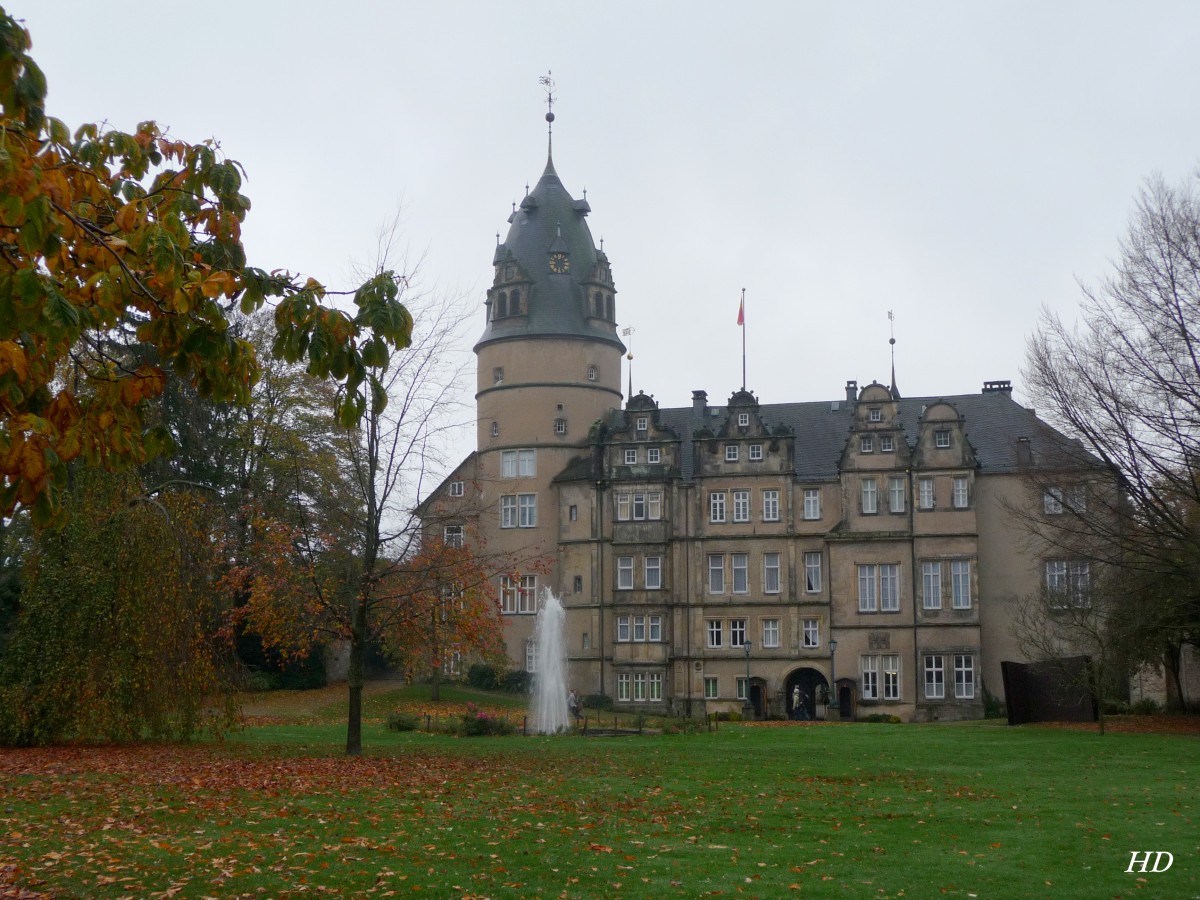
{"x": 1147, "y": 706}
{"x": 601, "y": 702}
{"x": 993, "y": 706}
{"x": 263, "y": 681}
{"x": 402, "y": 721}
{"x": 729, "y": 716}
{"x": 517, "y": 681}
{"x": 683, "y": 726}
{"x": 881, "y": 717}
{"x": 477, "y": 723}
{"x": 483, "y": 676}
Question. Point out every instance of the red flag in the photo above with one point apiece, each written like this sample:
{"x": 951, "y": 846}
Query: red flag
{"x": 742, "y": 312}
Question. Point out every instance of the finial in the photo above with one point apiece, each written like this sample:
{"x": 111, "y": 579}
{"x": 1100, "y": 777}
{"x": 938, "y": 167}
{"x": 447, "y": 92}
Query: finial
{"x": 514, "y": 203}
{"x": 497, "y": 239}
{"x": 527, "y": 189}
{"x": 892, "y": 342}
{"x": 628, "y": 333}
{"x": 585, "y": 193}
{"x": 601, "y": 243}
{"x": 547, "y": 82}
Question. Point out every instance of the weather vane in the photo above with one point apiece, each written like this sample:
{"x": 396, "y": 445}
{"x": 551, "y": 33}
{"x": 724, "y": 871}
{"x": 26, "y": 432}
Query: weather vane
{"x": 547, "y": 82}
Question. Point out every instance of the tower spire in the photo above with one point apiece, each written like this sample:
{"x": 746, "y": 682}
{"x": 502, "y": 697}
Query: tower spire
{"x": 892, "y": 342}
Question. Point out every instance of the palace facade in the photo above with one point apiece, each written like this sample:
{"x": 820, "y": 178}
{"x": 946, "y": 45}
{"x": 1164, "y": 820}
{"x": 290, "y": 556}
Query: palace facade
{"x": 859, "y": 552}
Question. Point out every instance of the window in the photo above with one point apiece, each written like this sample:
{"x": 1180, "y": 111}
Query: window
{"x": 714, "y": 633}
{"x": 624, "y": 573}
{"x": 654, "y": 505}
{"x": 737, "y": 632}
{"x": 653, "y": 573}
{"x": 508, "y": 511}
{"x": 508, "y": 595}
{"x": 642, "y": 423}
{"x": 812, "y": 572}
{"x": 960, "y": 583}
{"x": 870, "y": 677}
{"x": 639, "y": 687}
{"x": 771, "y": 506}
{"x": 931, "y": 581}
{"x": 656, "y": 686}
{"x": 812, "y": 633}
{"x": 812, "y": 503}
{"x": 756, "y": 453}
{"x": 527, "y": 510}
{"x": 456, "y": 489}
{"x": 586, "y": 641}
{"x": 592, "y": 373}
{"x": 941, "y": 439}
{"x": 891, "y": 676}
{"x": 866, "y": 590}
{"x": 623, "y": 629}
{"x": 623, "y": 506}
{"x": 711, "y": 691}
{"x": 518, "y": 463}
{"x": 925, "y": 493}
{"x": 887, "y": 443}
{"x": 889, "y": 587}
{"x": 866, "y": 444}
{"x": 655, "y": 628}
{"x": 639, "y": 506}
{"x": 1067, "y": 581}
{"x": 870, "y": 501}
{"x": 716, "y": 573}
{"x": 498, "y": 375}
{"x": 741, "y": 573}
{"x": 653, "y": 455}
{"x": 741, "y": 506}
{"x": 1052, "y": 502}
{"x": 639, "y": 629}
{"x": 896, "y": 494}
{"x": 560, "y": 426}
{"x": 623, "y": 686}
{"x": 631, "y": 456}
{"x": 962, "y": 495}
{"x": 530, "y": 655}
{"x": 716, "y": 506}
{"x": 573, "y": 513}
{"x": 452, "y": 535}
{"x": 743, "y": 420}
{"x": 741, "y": 687}
{"x": 935, "y": 678}
{"x": 495, "y": 429}
{"x": 771, "y": 573}
{"x": 770, "y": 633}
{"x": 527, "y": 595}
{"x": 964, "y": 676}
{"x": 731, "y": 453}
{"x": 577, "y": 584}
{"x": 875, "y": 415}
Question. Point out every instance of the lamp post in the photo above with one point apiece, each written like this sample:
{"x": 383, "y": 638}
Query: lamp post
{"x": 747, "y": 707}
{"x": 833, "y": 699}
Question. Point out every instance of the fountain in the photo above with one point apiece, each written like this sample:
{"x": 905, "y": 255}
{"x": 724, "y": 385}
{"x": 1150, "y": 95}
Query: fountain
{"x": 548, "y": 705}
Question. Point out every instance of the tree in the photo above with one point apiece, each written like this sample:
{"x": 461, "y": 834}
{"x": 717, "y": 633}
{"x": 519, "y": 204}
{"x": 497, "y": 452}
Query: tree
{"x": 1126, "y": 383}
{"x": 109, "y": 238}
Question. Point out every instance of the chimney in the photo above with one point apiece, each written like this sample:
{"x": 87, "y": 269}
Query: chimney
{"x": 699, "y": 404}
{"x": 851, "y": 391}
{"x": 997, "y": 387}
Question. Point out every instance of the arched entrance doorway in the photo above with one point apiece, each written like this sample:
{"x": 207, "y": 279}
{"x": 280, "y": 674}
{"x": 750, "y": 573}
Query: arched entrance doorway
{"x": 804, "y": 685}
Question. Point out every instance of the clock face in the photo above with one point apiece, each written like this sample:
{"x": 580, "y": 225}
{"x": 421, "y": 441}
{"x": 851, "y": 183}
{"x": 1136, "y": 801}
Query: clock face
{"x": 559, "y": 263}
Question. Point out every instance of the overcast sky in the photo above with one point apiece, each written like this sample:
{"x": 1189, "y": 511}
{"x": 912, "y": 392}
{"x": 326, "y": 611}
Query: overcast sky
{"x": 963, "y": 164}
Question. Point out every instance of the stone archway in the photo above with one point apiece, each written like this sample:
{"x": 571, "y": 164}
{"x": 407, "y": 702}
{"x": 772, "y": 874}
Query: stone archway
{"x": 810, "y": 682}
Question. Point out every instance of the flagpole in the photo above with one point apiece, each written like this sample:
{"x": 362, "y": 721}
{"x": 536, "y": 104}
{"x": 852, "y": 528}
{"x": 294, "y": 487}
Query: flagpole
{"x": 742, "y": 322}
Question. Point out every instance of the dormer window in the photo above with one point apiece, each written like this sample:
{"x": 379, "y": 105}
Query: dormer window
{"x": 631, "y": 456}
{"x": 743, "y": 420}
{"x": 887, "y": 443}
{"x": 875, "y": 415}
{"x": 756, "y": 452}
{"x": 941, "y": 439}
{"x": 456, "y": 489}
{"x": 866, "y": 444}
{"x": 653, "y": 455}
{"x": 731, "y": 453}
{"x": 643, "y": 423}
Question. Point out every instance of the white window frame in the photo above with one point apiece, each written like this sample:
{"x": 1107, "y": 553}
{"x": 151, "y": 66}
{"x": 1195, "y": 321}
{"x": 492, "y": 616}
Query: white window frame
{"x": 960, "y": 583}
{"x": 509, "y": 588}
{"x": 740, "y": 571}
{"x": 740, "y": 687}
{"x": 623, "y": 631}
{"x": 811, "y": 631}
{"x": 712, "y": 687}
{"x": 454, "y": 535}
{"x": 592, "y": 373}
{"x": 624, "y": 505}
{"x": 926, "y": 495}
{"x": 527, "y": 510}
{"x": 456, "y": 489}
{"x": 639, "y": 687}
{"x": 889, "y": 587}
{"x": 866, "y": 444}
{"x": 508, "y": 511}
{"x": 868, "y": 597}
{"x": 812, "y": 504}
{"x": 737, "y": 633}
{"x": 623, "y": 683}
{"x": 654, "y": 456}
{"x": 897, "y": 494}
{"x": 531, "y": 655}
{"x": 771, "y": 580}
{"x": 654, "y": 632}
{"x": 961, "y": 494}
{"x": 889, "y": 664}
{"x": 631, "y": 456}
{"x": 743, "y": 420}
{"x": 714, "y": 634}
{"x": 731, "y": 453}
{"x": 654, "y": 505}
{"x": 887, "y": 443}
{"x": 655, "y": 687}
{"x": 935, "y": 677}
{"x": 875, "y": 415}
{"x": 639, "y": 629}
{"x": 770, "y": 508}
{"x": 741, "y": 506}
{"x": 642, "y": 423}
{"x": 652, "y": 572}
{"x": 527, "y": 596}
{"x": 964, "y": 676}
{"x": 1052, "y": 501}
{"x": 869, "y": 670}
{"x": 716, "y": 573}
{"x": 716, "y": 507}
{"x": 624, "y": 573}
{"x": 870, "y": 497}
{"x": 812, "y": 571}
{"x": 770, "y": 634}
{"x": 941, "y": 439}
{"x": 931, "y": 583}
{"x": 756, "y": 452}
{"x": 560, "y": 426}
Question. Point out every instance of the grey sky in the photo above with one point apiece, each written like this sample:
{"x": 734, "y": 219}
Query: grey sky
{"x": 958, "y": 163}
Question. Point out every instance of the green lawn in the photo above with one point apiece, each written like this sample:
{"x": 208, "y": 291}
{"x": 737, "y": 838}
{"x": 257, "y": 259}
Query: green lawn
{"x": 830, "y": 810}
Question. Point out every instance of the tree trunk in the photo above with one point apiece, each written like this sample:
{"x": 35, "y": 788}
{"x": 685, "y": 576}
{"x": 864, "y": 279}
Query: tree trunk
{"x": 354, "y": 679}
